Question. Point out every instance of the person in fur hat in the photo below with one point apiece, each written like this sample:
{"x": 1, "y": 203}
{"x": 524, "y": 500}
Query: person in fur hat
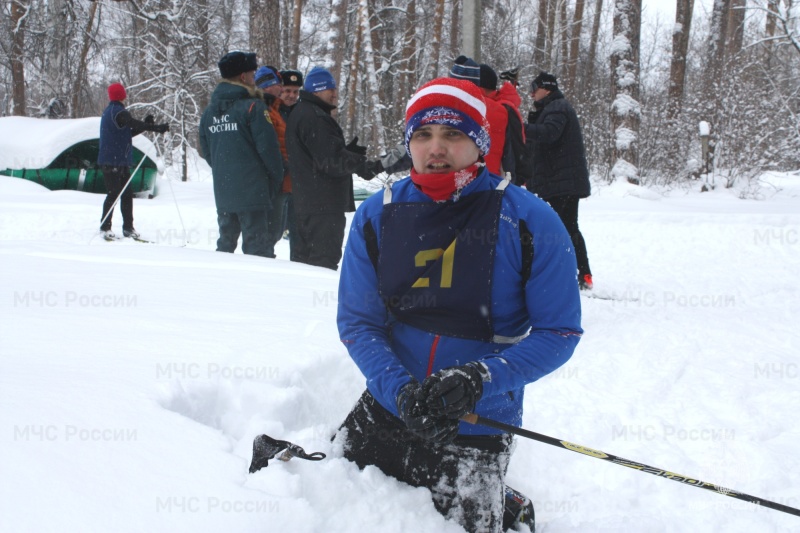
{"x": 239, "y": 142}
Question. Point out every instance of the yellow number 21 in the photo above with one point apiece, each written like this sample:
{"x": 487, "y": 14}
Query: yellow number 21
{"x": 426, "y": 256}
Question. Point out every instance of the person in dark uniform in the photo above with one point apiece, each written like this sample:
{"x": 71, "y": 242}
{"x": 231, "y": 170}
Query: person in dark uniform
{"x": 446, "y": 310}
{"x": 239, "y": 142}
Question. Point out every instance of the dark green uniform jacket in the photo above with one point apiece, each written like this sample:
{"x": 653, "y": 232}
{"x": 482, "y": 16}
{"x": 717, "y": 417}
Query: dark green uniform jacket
{"x": 238, "y": 141}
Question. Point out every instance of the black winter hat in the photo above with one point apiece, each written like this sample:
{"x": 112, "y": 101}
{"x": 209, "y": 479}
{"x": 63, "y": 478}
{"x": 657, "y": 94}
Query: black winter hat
{"x": 544, "y": 81}
{"x": 292, "y": 77}
{"x": 234, "y": 63}
{"x": 488, "y": 77}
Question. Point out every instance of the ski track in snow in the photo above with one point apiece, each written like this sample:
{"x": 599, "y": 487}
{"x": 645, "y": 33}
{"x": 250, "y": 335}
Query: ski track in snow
{"x": 134, "y": 377}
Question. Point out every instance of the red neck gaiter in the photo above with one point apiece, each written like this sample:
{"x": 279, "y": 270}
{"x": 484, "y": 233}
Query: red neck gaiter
{"x": 440, "y": 187}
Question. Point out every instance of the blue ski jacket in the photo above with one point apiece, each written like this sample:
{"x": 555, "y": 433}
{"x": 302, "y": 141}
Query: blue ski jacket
{"x": 535, "y": 306}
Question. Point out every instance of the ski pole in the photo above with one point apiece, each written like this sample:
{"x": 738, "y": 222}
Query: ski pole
{"x": 111, "y": 210}
{"x": 174, "y": 199}
{"x": 471, "y": 418}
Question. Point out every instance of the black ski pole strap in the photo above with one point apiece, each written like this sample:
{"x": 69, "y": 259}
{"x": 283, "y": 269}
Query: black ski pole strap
{"x": 266, "y": 448}
{"x": 293, "y": 450}
{"x": 471, "y": 418}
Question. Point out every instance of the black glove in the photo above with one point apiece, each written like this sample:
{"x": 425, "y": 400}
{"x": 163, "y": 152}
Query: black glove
{"x": 413, "y": 411}
{"x": 354, "y": 147}
{"x": 453, "y": 392}
{"x": 532, "y": 116}
{"x": 149, "y": 119}
{"x": 161, "y": 128}
{"x": 371, "y": 169}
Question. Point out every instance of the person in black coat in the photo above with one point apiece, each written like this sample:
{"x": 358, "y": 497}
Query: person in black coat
{"x": 322, "y": 168}
{"x": 115, "y": 158}
{"x": 560, "y": 172}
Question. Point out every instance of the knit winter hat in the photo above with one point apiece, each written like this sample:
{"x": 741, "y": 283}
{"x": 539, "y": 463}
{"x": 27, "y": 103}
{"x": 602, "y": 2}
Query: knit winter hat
{"x": 544, "y": 81}
{"x": 267, "y": 76}
{"x": 319, "y": 79}
{"x": 488, "y": 77}
{"x": 449, "y": 102}
{"x": 464, "y": 68}
{"x": 234, "y": 63}
{"x": 292, "y": 77}
{"x": 116, "y": 92}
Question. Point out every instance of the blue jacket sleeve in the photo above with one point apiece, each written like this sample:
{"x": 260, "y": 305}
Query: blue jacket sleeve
{"x": 553, "y": 302}
{"x": 362, "y": 317}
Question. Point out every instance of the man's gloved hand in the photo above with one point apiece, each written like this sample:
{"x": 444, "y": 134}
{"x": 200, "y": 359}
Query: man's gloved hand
{"x": 453, "y": 392}
{"x": 149, "y": 119}
{"x": 356, "y": 148}
{"x": 413, "y": 411}
{"x": 371, "y": 169}
{"x": 161, "y": 128}
{"x": 532, "y": 116}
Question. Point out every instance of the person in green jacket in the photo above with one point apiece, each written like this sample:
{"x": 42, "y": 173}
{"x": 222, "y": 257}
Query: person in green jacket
{"x": 239, "y": 142}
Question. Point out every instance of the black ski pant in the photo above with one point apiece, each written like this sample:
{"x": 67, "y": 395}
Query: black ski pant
{"x": 115, "y": 179}
{"x": 319, "y": 239}
{"x": 465, "y": 477}
{"x": 251, "y": 225}
{"x": 567, "y": 209}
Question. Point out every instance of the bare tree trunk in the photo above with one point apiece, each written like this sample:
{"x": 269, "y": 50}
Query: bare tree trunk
{"x": 81, "y": 74}
{"x": 265, "y": 31}
{"x": 769, "y": 29}
{"x": 455, "y": 25}
{"x": 735, "y": 37}
{"x": 680, "y": 47}
{"x": 294, "y": 49}
{"x": 372, "y": 78}
{"x": 574, "y": 46}
{"x": 563, "y": 34}
{"x": 540, "y": 46}
{"x": 716, "y": 45}
{"x": 353, "y": 89}
{"x": 625, "y": 109}
{"x": 436, "y": 40}
{"x": 336, "y": 46}
{"x": 550, "y": 46}
{"x": 591, "y": 59}
{"x": 19, "y": 15}
{"x": 408, "y": 74}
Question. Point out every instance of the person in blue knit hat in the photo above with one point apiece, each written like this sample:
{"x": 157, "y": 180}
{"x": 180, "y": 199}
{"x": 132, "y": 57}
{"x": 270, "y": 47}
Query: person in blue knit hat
{"x": 322, "y": 167}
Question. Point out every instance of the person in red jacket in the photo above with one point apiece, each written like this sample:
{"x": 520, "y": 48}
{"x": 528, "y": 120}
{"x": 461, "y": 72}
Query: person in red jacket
{"x": 464, "y": 68}
{"x": 514, "y": 160}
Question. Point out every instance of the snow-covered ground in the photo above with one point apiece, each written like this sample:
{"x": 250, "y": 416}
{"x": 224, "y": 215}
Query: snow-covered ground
{"x": 134, "y": 377}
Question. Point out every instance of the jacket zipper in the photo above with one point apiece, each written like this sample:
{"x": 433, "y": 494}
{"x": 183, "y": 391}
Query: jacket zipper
{"x": 432, "y": 355}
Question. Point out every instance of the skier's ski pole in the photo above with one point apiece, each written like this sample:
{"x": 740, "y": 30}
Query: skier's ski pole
{"x": 111, "y": 210}
{"x": 471, "y": 418}
{"x": 123, "y": 188}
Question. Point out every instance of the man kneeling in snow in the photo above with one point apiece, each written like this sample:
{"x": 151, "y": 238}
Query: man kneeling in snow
{"x": 447, "y": 310}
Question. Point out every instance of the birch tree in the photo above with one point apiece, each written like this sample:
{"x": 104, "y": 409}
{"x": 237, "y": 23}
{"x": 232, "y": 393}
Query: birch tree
{"x": 20, "y": 11}
{"x": 625, "y": 107}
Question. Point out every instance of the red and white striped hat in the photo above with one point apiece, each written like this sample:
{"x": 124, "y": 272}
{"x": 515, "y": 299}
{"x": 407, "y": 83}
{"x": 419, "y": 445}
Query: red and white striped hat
{"x": 450, "y": 102}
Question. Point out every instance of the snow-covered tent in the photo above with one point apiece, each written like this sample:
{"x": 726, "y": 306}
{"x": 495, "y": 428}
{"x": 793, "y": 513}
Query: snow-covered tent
{"x": 62, "y": 154}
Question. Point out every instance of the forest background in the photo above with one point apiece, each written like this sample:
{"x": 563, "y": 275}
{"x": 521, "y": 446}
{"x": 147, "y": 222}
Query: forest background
{"x": 642, "y": 86}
